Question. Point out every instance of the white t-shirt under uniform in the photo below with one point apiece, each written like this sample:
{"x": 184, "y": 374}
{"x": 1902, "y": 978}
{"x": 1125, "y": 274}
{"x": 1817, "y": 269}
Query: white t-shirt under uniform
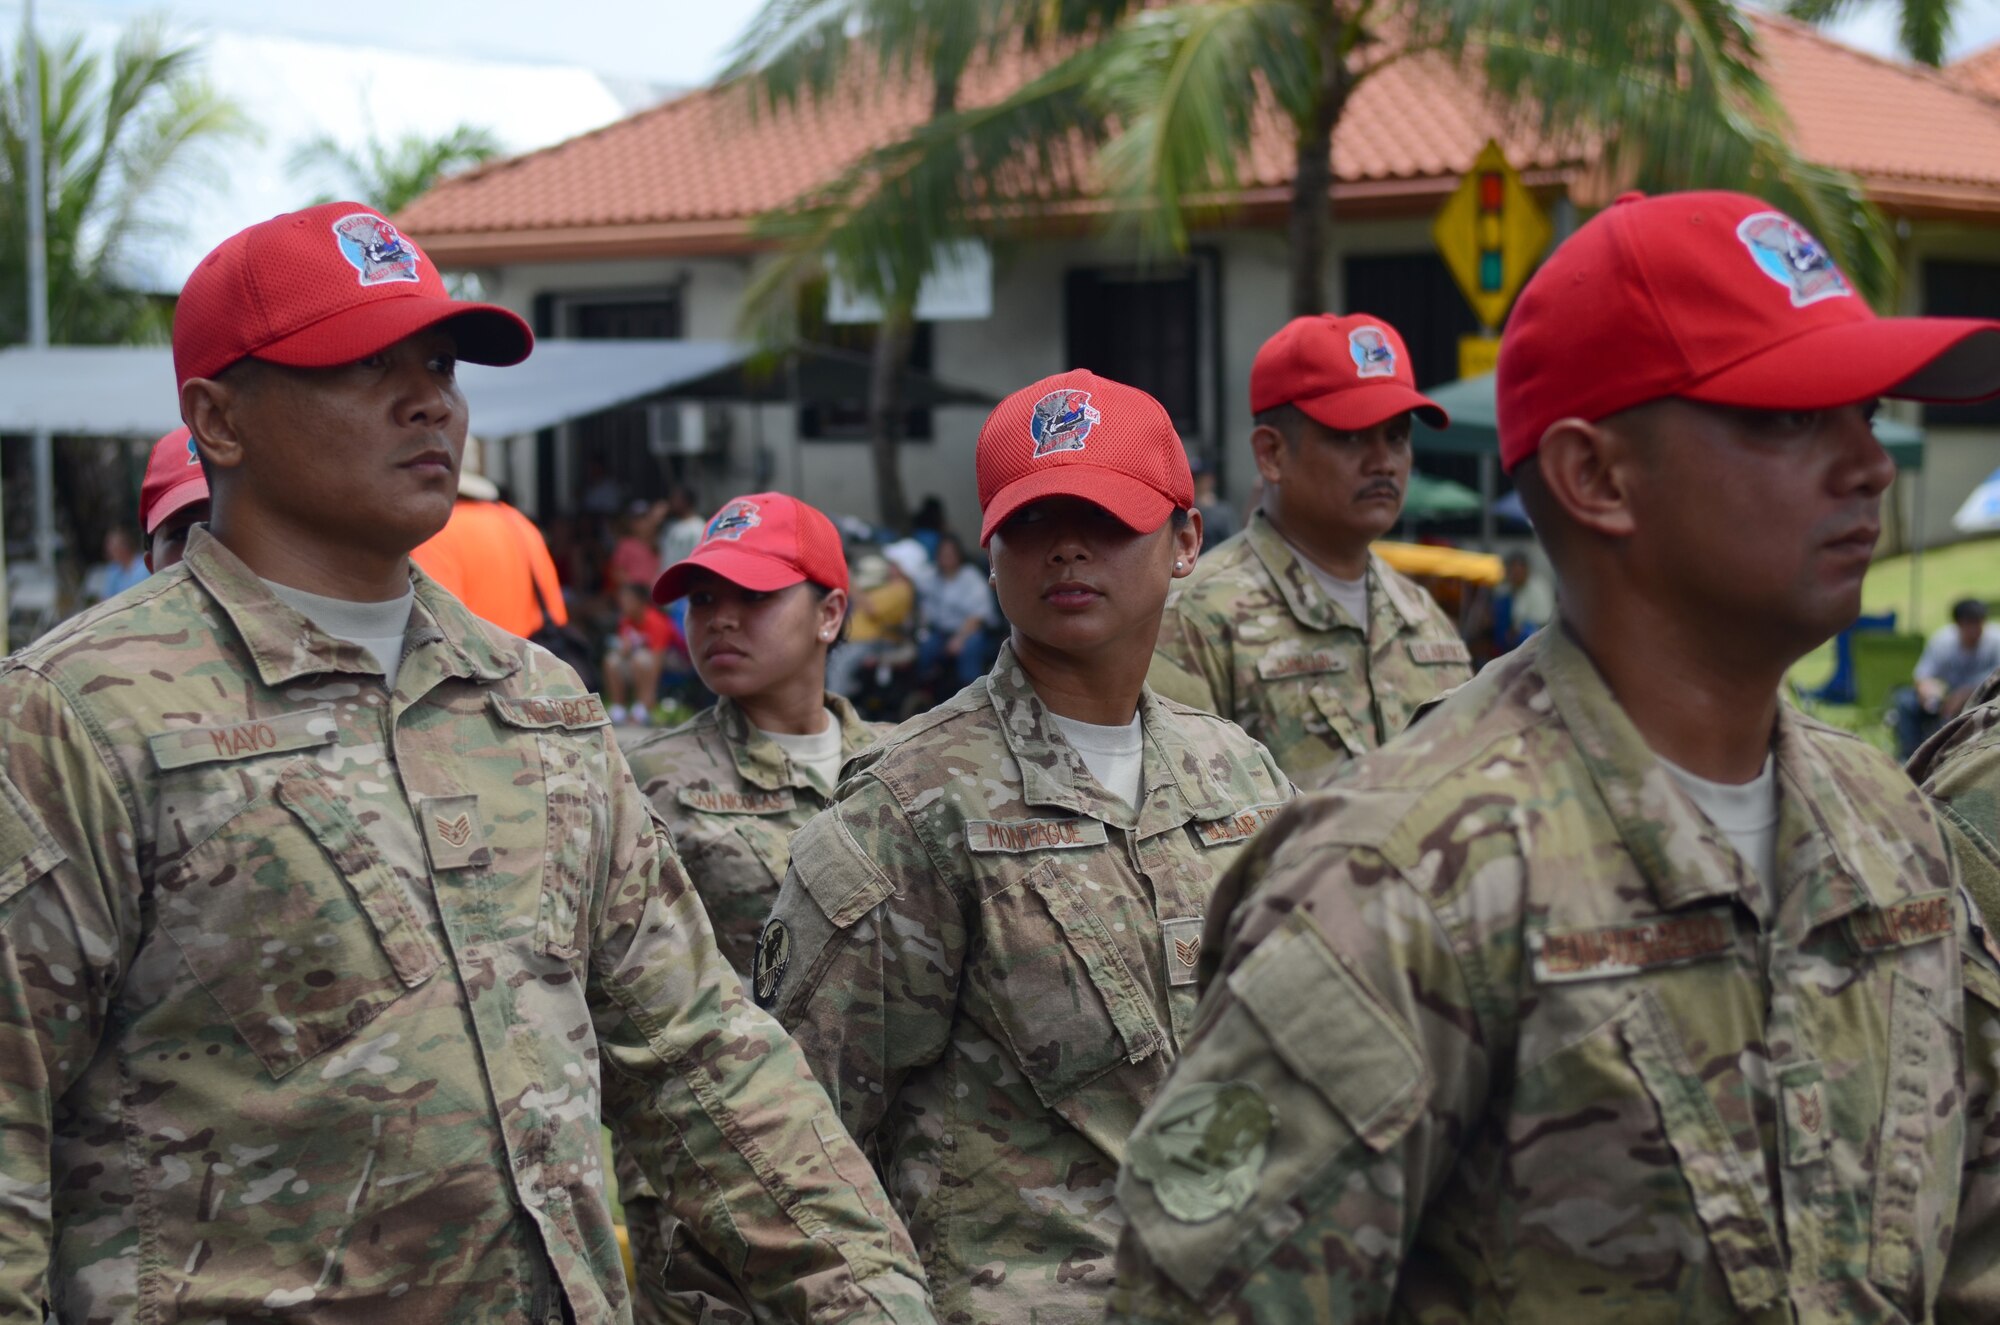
{"x": 1115, "y": 756}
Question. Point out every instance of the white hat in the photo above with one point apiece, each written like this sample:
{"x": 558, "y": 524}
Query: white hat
{"x": 472, "y": 482}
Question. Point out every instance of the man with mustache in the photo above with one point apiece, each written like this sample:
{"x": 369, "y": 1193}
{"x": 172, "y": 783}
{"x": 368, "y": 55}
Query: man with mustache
{"x": 1293, "y": 628}
{"x": 1615, "y": 990}
{"x": 332, "y": 921}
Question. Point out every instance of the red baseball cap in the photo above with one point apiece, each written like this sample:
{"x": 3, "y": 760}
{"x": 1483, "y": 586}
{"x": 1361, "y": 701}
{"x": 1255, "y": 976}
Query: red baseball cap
{"x": 1714, "y": 297}
{"x": 323, "y": 287}
{"x": 1348, "y": 373}
{"x": 1080, "y": 435}
{"x": 765, "y": 541}
{"x": 173, "y": 482}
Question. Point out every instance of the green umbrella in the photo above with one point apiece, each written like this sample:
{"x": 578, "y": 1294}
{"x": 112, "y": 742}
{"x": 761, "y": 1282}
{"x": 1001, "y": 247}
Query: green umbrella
{"x": 1429, "y": 498}
{"x": 1474, "y": 428}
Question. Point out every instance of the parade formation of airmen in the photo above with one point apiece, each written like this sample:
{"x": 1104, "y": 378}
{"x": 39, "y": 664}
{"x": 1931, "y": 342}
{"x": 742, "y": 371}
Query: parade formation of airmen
{"x": 1228, "y": 953}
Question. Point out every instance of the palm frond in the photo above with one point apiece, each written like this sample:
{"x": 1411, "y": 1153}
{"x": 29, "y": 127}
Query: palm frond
{"x": 1184, "y": 85}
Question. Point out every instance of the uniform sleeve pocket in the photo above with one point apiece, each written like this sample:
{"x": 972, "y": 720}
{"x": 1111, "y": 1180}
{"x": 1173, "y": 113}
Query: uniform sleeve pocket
{"x": 26, "y": 850}
{"x": 1333, "y": 1033}
{"x": 1064, "y": 996}
{"x": 289, "y": 919}
{"x": 1268, "y": 1126}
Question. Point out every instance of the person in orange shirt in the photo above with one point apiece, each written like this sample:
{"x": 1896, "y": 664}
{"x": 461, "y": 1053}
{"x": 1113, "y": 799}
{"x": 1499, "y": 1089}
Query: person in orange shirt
{"x": 492, "y": 558}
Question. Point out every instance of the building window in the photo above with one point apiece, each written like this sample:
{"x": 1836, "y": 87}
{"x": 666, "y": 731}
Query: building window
{"x": 1154, "y": 328}
{"x": 619, "y": 449}
{"x": 1962, "y": 289}
{"x": 1415, "y": 294}
{"x": 846, "y": 420}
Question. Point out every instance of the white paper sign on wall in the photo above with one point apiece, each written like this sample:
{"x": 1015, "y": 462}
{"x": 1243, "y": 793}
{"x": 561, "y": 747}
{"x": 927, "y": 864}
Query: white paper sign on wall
{"x": 959, "y": 289}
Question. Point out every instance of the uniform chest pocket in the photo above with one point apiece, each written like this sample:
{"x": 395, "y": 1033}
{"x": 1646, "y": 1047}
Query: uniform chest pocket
{"x": 579, "y": 819}
{"x": 1064, "y": 997}
{"x": 289, "y": 919}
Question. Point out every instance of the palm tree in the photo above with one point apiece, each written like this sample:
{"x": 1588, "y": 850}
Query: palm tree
{"x": 859, "y": 226}
{"x": 1924, "y": 29}
{"x": 127, "y": 141}
{"x": 1669, "y": 89}
{"x": 391, "y": 175}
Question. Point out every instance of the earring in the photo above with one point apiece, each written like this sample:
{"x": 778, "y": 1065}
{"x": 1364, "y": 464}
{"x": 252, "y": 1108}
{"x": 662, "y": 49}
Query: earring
{"x": 1179, "y": 564}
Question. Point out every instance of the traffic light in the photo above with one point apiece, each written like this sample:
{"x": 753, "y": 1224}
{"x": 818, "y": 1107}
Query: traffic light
{"x": 1492, "y": 196}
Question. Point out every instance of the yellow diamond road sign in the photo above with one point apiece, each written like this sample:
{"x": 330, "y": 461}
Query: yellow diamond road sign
{"x": 1491, "y": 233}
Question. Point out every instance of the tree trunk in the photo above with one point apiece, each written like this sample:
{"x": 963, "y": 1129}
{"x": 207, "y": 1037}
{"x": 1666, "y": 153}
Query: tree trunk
{"x": 1312, "y": 187}
{"x": 893, "y": 339}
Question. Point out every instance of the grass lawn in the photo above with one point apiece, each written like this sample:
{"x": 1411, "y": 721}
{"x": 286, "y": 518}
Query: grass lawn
{"x": 1963, "y": 570}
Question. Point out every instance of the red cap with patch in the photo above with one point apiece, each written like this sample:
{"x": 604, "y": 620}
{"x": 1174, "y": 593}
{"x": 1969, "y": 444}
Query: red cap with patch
{"x": 173, "y": 482}
{"x": 1714, "y": 297}
{"x": 323, "y": 287}
{"x": 1080, "y": 435}
{"x": 766, "y": 541}
{"x": 1348, "y": 373}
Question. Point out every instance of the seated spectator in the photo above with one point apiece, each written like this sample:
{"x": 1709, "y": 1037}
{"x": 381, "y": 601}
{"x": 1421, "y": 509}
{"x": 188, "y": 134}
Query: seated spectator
{"x": 635, "y": 557}
{"x": 882, "y": 615}
{"x": 1522, "y": 605}
{"x": 123, "y": 567}
{"x": 956, "y": 613}
{"x": 1955, "y": 660}
{"x": 638, "y": 651}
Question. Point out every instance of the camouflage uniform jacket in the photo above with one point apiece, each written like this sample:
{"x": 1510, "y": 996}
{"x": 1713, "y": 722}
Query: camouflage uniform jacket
{"x": 1505, "y": 1032}
{"x": 314, "y": 992}
{"x": 1251, "y": 636}
{"x": 733, "y": 800}
{"x": 1959, "y": 766}
{"x": 990, "y": 963}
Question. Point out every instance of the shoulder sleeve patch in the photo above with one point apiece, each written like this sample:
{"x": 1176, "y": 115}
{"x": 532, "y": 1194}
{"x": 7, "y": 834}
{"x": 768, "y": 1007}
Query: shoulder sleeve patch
{"x": 1333, "y": 1033}
{"x": 27, "y": 852}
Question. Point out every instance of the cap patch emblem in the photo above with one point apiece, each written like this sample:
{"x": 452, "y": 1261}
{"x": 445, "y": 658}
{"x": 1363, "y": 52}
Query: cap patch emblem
{"x": 1373, "y": 355}
{"x": 374, "y": 249}
{"x": 1062, "y": 419}
{"x": 733, "y": 521}
{"x": 1791, "y": 257}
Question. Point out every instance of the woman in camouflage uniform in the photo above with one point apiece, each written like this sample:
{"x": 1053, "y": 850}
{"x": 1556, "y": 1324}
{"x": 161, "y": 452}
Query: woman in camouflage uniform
{"x": 767, "y": 592}
{"x": 988, "y": 946}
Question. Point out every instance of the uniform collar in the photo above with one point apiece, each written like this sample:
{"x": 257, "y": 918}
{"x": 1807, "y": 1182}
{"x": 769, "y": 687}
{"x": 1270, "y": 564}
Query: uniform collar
{"x": 1390, "y": 608}
{"x": 763, "y": 763}
{"x": 1685, "y": 858}
{"x": 286, "y": 646}
{"x": 1175, "y": 782}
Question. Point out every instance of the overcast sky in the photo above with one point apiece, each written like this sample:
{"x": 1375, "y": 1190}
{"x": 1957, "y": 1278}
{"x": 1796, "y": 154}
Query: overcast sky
{"x": 658, "y": 41}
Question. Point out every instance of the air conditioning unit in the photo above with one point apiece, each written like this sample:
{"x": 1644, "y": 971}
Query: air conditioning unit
{"x": 686, "y": 427}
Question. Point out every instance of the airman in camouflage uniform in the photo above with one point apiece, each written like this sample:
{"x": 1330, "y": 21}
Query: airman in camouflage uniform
{"x": 1506, "y": 1024}
{"x": 987, "y": 954}
{"x": 1959, "y": 768}
{"x": 317, "y": 988}
{"x": 1254, "y": 633}
{"x": 733, "y": 800}
{"x": 1251, "y": 636}
{"x": 767, "y": 592}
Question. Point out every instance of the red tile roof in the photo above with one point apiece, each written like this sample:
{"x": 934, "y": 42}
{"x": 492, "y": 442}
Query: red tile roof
{"x": 689, "y": 176}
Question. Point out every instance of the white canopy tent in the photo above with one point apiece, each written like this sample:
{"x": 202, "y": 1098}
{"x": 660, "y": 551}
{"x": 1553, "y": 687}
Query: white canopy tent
{"x": 118, "y": 391}
{"x": 128, "y": 391}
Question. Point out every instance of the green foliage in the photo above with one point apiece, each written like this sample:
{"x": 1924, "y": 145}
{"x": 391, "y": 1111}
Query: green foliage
{"x": 1924, "y": 27}
{"x": 129, "y": 138}
{"x": 391, "y": 175}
